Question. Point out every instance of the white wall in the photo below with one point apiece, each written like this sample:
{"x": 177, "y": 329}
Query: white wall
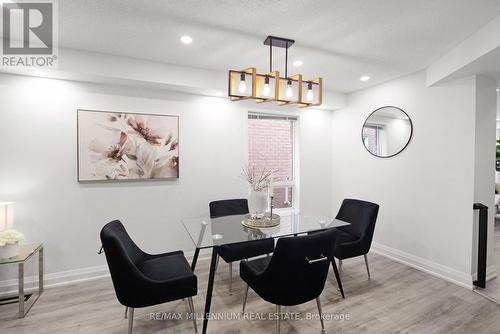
{"x": 398, "y": 133}
{"x": 484, "y": 159}
{"x": 426, "y": 192}
{"x": 38, "y": 168}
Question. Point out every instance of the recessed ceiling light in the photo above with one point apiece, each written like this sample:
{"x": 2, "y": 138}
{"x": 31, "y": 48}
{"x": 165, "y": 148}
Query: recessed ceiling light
{"x": 186, "y": 39}
{"x": 364, "y": 78}
{"x": 298, "y": 63}
{"x": 498, "y": 89}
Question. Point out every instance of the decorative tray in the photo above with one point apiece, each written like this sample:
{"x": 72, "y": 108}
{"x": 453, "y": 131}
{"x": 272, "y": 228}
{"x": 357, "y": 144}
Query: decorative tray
{"x": 264, "y": 222}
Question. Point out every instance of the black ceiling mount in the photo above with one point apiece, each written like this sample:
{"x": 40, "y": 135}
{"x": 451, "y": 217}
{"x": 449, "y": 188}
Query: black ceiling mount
{"x": 279, "y": 42}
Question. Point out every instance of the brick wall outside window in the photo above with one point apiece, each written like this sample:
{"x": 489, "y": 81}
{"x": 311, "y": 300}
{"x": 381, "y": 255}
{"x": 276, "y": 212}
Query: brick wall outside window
{"x": 270, "y": 145}
{"x": 370, "y": 138}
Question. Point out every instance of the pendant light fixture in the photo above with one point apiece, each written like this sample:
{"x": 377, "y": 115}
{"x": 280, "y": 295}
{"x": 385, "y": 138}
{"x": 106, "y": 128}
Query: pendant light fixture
{"x": 309, "y": 94}
{"x": 266, "y": 90}
{"x": 242, "y": 87}
{"x": 289, "y": 89}
{"x": 271, "y": 86}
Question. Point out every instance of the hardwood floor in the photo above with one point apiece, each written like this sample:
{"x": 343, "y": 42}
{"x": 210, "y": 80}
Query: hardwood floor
{"x": 397, "y": 299}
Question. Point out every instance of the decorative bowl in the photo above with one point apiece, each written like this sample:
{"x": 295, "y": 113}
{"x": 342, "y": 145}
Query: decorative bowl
{"x": 265, "y": 222}
{"x": 9, "y": 251}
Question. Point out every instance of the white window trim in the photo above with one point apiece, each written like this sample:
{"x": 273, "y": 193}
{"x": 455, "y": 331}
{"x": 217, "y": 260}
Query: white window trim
{"x": 294, "y": 184}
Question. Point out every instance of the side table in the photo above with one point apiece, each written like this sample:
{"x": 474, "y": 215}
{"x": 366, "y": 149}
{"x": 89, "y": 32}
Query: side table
{"x": 25, "y": 253}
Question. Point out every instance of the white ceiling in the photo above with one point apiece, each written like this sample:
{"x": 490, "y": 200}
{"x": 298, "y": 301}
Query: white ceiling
{"x": 339, "y": 40}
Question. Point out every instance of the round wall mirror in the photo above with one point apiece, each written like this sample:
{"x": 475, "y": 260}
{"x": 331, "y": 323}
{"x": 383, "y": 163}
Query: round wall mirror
{"x": 387, "y": 132}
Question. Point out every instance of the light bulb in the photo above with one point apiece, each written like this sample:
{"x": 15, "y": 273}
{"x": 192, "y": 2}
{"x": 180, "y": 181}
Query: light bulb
{"x": 289, "y": 90}
{"x": 266, "y": 89}
{"x": 242, "y": 87}
{"x": 186, "y": 39}
{"x": 309, "y": 94}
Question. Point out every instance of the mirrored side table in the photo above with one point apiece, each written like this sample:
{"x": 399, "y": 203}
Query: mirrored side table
{"x": 25, "y": 253}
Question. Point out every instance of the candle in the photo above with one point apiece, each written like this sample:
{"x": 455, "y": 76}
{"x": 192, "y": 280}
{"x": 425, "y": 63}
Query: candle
{"x": 271, "y": 185}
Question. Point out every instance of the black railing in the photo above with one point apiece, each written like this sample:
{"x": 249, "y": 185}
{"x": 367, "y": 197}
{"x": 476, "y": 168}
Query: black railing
{"x": 482, "y": 246}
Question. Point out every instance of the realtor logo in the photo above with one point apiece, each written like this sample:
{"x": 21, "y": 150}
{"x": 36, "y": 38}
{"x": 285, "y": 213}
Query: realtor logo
{"x": 29, "y": 34}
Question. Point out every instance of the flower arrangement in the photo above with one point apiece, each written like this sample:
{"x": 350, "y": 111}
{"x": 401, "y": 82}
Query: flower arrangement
{"x": 258, "y": 180}
{"x": 10, "y": 237}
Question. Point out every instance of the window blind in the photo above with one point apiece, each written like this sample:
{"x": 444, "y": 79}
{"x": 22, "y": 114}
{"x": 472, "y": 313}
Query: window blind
{"x": 255, "y": 115}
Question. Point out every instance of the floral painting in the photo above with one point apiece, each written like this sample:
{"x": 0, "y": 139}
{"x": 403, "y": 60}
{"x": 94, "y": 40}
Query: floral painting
{"x": 127, "y": 146}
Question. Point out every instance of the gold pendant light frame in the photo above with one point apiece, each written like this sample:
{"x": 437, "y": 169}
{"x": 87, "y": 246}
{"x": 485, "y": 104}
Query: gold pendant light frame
{"x": 278, "y": 92}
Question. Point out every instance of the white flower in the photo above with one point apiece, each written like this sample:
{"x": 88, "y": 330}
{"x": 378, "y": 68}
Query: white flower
{"x": 10, "y": 237}
{"x": 115, "y": 122}
{"x": 146, "y": 158}
{"x": 97, "y": 146}
{"x": 111, "y": 169}
{"x": 113, "y": 151}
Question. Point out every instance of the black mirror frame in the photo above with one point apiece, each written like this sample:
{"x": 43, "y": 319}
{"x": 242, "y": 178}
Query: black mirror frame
{"x": 404, "y": 147}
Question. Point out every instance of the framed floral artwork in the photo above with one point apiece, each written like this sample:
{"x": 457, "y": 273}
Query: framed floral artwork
{"x": 115, "y": 146}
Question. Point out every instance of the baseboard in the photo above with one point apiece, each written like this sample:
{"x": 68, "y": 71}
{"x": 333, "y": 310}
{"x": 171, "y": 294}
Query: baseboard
{"x": 10, "y": 287}
{"x": 451, "y": 275}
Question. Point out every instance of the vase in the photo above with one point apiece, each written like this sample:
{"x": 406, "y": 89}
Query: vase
{"x": 8, "y": 251}
{"x": 257, "y": 203}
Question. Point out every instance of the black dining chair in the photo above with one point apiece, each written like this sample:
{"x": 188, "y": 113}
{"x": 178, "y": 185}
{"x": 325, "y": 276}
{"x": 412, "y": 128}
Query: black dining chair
{"x": 295, "y": 274}
{"x": 242, "y": 250}
{"x": 142, "y": 279}
{"x": 355, "y": 239}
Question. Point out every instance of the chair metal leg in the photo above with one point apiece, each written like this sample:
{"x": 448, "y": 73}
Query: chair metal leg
{"x": 130, "y": 319}
{"x": 193, "y": 314}
{"x": 320, "y": 311}
{"x": 337, "y": 276}
{"x": 245, "y": 296}
{"x": 230, "y": 277}
{"x": 278, "y": 316}
{"x": 126, "y": 310}
{"x": 367, "y": 267}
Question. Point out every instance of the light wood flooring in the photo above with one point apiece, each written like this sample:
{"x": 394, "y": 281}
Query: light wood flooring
{"x": 397, "y": 299}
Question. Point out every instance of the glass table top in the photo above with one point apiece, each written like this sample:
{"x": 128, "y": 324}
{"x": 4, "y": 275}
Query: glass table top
{"x": 25, "y": 252}
{"x": 208, "y": 232}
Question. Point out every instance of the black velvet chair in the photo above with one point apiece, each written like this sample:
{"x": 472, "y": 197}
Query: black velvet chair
{"x": 142, "y": 279}
{"x": 355, "y": 239}
{"x": 295, "y": 274}
{"x": 243, "y": 250}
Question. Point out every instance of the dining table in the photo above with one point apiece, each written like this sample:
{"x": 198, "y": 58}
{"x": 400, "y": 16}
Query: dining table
{"x": 210, "y": 233}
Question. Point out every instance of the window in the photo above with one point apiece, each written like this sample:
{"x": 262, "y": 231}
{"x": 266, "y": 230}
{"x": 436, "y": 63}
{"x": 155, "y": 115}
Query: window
{"x": 371, "y": 138}
{"x": 271, "y": 144}
{"x": 374, "y": 138}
